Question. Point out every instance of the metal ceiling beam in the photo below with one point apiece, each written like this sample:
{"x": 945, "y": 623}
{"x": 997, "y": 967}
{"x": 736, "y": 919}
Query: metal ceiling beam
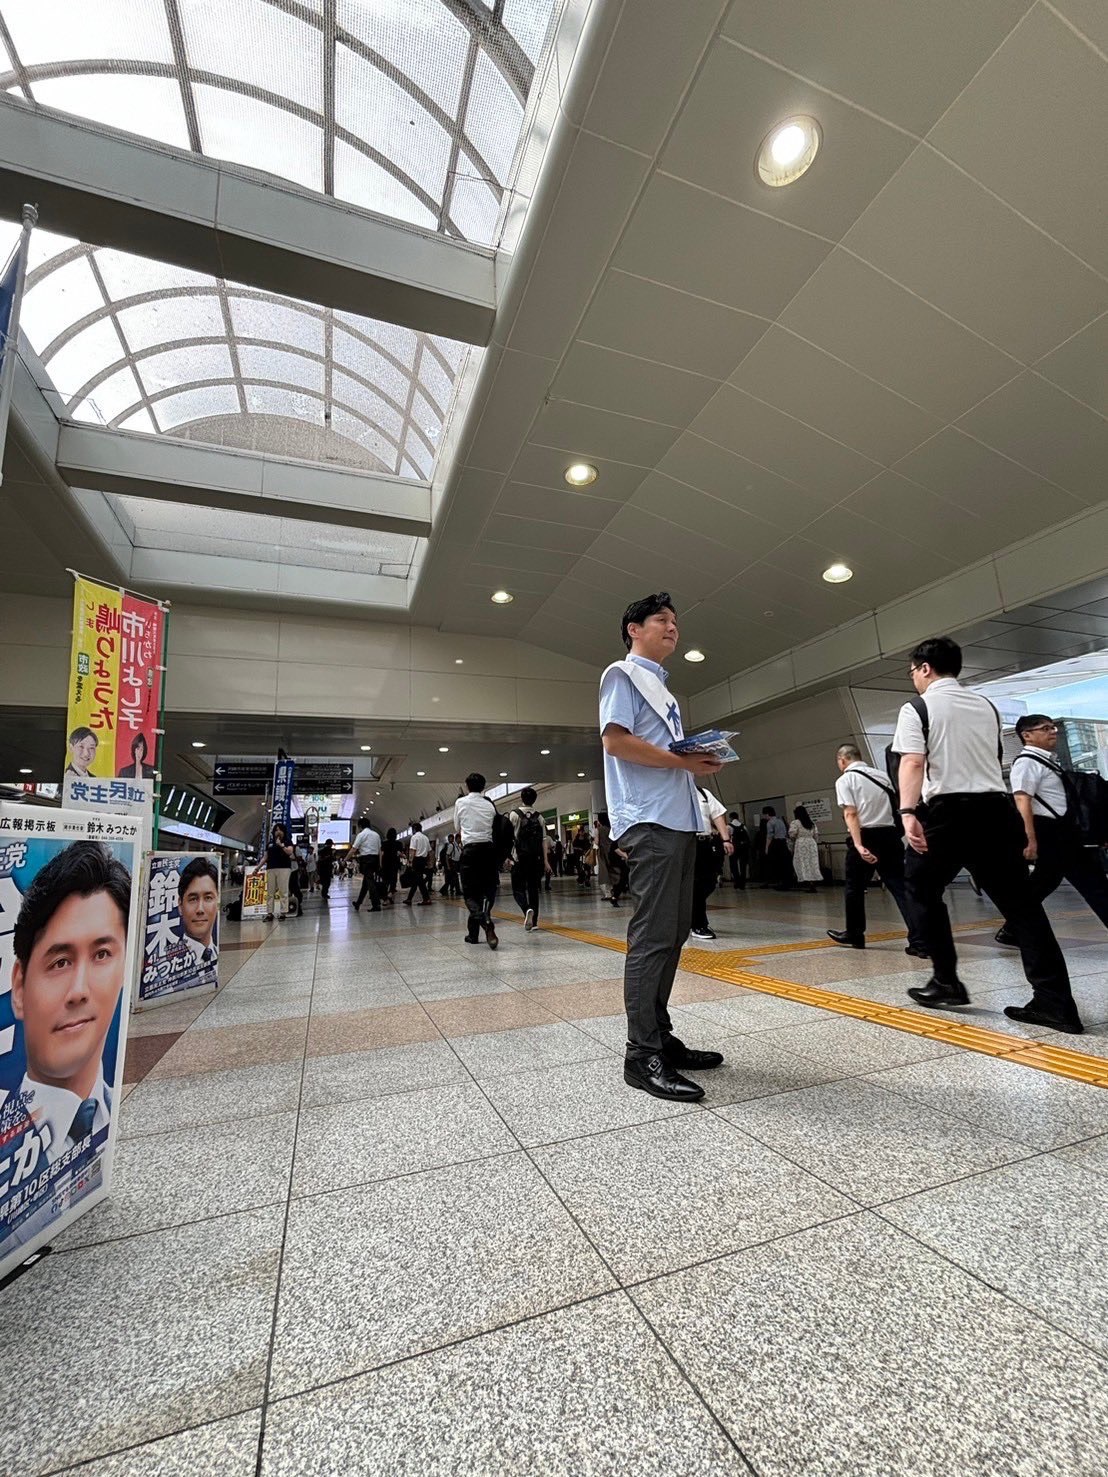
{"x": 114, "y": 190}
{"x": 245, "y": 481}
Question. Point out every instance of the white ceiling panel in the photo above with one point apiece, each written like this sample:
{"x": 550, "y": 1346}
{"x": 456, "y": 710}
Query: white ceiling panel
{"x": 631, "y": 386}
{"x": 743, "y": 536}
{"x": 741, "y": 483}
{"x": 571, "y": 512}
{"x": 936, "y": 232}
{"x": 600, "y": 434}
{"x": 1089, "y": 16}
{"x": 1081, "y": 366}
{"x": 902, "y": 59}
{"x": 532, "y": 533}
{"x": 897, "y": 506}
{"x": 545, "y": 466}
{"x": 684, "y": 544}
{"x": 1041, "y": 427}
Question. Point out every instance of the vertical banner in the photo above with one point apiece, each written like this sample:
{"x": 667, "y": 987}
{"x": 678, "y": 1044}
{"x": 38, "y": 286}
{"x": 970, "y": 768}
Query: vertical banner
{"x": 114, "y": 701}
{"x": 66, "y": 899}
{"x": 253, "y": 893}
{"x": 283, "y": 774}
{"x": 181, "y": 933}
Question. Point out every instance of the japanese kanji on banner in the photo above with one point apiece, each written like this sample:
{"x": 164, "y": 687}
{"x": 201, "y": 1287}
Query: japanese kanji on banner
{"x": 115, "y": 683}
{"x": 69, "y": 919}
{"x": 181, "y": 936}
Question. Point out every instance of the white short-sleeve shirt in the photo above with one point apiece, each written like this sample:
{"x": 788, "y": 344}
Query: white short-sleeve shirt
{"x": 419, "y": 846}
{"x": 473, "y": 815}
{"x": 710, "y": 808}
{"x": 962, "y": 745}
{"x": 1029, "y": 777}
{"x": 869, "y": 797}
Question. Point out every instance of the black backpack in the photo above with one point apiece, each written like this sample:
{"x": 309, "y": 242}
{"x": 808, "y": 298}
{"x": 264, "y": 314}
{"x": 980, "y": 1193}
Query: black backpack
{"x": 1087, "y": 797}
{"x": 503, "y": 835}
{"x": 530, "y": 837}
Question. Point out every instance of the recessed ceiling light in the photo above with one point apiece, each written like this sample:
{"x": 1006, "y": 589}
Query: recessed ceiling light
{"x": 788, "y": 150}
{"x": 444, "y": 749}
{"x": 693, "y": 655}
{"x": 376, "y": 792}
{"x": 581, "y": 474}
{"x": 420, "y": 773}
{"x": 838, "y": 574}
{"x": 366, "y": 748}
{"x": 580, "y": 774}
{"x": 26, "y": 771}
{"x": 459, "y": 661}
{"x": 501, "y": 597}
{"x": 503, "y": 774}
{"x": 198, "y": 743}
{"x": 544, "y": 751}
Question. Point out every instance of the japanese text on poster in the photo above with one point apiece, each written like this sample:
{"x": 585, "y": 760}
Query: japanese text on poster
{"x": 181, "y": 933}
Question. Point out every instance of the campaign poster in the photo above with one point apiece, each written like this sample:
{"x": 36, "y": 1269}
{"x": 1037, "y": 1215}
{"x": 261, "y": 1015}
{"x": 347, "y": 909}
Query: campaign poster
{"x": 180, "y": 948}
{"x": 69, "y": 924}
{"x": 253, "y": 893}
{"x": 283, "y": 773}
{"x": 114, "y": 699}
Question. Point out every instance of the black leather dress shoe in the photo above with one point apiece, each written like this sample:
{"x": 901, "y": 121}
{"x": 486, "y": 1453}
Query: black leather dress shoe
{"x": 939, "y": 997}
{"x": 1033, "y": 1017}
{"x": 652, "y": 1074}
{"x": 687, "y": 1059}
{"x": 915, "y": 952}
{"x": 840, "y": 936}
{"x": 1007, "y": 937}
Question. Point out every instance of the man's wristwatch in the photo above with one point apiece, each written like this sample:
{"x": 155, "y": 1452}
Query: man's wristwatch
{"x": 909, "y": 810}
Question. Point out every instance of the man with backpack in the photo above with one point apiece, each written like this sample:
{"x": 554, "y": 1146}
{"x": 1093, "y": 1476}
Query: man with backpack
{"x": 1061, "y": 831}
{"x": 532, "y": 861}
{"x": 869, "y": 805}
{"x": 957, "y": 813}
{"x": 487, "y": 838}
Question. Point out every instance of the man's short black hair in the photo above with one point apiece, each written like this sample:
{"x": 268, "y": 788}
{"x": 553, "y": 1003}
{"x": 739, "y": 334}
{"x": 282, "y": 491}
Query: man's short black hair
{"x": 475, "y": 782}
{"x": 768, "y": 810}
{"x": 200, "y": 866}
{"x": 528, "y": 796}
{"x": 79, "y": 735}
{"x": 941, "y": 653}
{"x": 416, "y": 826}
{"x": 1030, "y": 721}
{"x": 81, "y": 869}
{"x": 734, "y": 815}
{"x": 641, "y": 610}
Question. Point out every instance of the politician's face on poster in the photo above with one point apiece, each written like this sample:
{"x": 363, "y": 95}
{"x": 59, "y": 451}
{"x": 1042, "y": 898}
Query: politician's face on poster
{"x": 199, "y": 905}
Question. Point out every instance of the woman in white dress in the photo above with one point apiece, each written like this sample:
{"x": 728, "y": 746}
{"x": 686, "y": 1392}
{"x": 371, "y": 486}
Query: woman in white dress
{"x": 804, "y": 840}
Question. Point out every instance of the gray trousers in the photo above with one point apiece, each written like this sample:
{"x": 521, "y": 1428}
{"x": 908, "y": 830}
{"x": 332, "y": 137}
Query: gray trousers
{"x": 661, "y": 864}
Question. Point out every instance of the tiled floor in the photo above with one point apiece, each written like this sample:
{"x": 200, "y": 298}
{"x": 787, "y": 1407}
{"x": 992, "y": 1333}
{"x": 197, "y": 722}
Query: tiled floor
{"x": 385, "y": 1206}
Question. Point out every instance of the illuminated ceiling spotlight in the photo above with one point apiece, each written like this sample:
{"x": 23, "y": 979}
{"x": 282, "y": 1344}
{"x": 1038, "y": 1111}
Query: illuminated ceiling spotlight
{"x": 788, "y": 150}
{"x": 581, "y": 474}
{"x": 501, "y": 597}
{"x": 838, "y": 574}
{"x": 694, "y": 655}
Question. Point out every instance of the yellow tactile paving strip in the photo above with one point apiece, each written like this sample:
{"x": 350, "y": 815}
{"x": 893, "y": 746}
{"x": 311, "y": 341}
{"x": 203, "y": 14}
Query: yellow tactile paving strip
{"x": 731, "y": 967}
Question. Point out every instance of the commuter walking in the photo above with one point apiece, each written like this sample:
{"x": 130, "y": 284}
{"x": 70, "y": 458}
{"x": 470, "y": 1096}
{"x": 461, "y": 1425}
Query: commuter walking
{"x": 366, "y": 851}
{"x": 419, "y": 860}
{"x": 450, "y": 852}
{"x": 603, "y": 847}
{"x": 777, "y": 864}
{"x": 390, "y": 866}
{"x": 474, "y": 817}
{"x": 325, "y": 868}
{"x": 740, "y": 850}
{"x": 655, "y": 815}
{"x": 713, "y": 842}
{"x": 278, "y": 865}
{"x": 949, "y": 746}
{"x": 804, "y": 840}
{"x": 1052, "y": 839}
{"x": 869, "y": 805}
{"x": 532, "y": 853}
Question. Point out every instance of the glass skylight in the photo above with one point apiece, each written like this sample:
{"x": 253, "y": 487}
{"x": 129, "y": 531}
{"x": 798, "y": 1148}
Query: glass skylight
{"x": 142, "y": 346}
{"x": 410, "y": 108}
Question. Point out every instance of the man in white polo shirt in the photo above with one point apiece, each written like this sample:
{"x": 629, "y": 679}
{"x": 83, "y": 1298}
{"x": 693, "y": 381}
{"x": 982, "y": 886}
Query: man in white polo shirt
{"x": 949, "y": 742}
{"x": 867, "y": 799}
{"x": 366, "y": 851}
{"x": 474, "y": 823}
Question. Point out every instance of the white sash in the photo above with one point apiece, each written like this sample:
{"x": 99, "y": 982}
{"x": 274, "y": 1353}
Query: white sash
{"x": 655, "y": 692}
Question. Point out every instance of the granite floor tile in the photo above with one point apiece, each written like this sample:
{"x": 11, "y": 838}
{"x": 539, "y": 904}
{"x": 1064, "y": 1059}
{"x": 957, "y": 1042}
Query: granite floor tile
{"x": 849, "y": 1350}
{"x": 868, "y": 1142}
{"x": 1037, "y": 1231}
{"x": 1092, "y": 1155}
{"x": 175, "y": 1015}
{"x": 475, "y": 1014}
{"x": 584, "y": 1390}
{"x": 144, "y": 1052}
{"x": 365, "y": 1030}
{"x": 756, "y": 1012}
{"x": 254, "y": 1007}
{"x": 169, "y": 1179}
{"x": 165, "y": 1104}
{"x": 567, "y": 1102}
{"x": 262, "y": 1043}
{"x": 227, "y": 1448}
{"x": 136, "y": 1339}
{"x": 378, "y": 1138}
{"x": 850, "y": 1047}
{"x": 1017, "y": 1102}
{"x": 609, "y": 1030}
{"x": 719, "y": 1191}
{"x": 330, "y": 995}
{"x": 575, "y": 1001}
{"x": 455, "y": 1252}
{"x": 366, "y": 1074}
{"x": 755, "y": 1067}
{"x": 841, "y": 969}
{"x": 496, "y": 1053}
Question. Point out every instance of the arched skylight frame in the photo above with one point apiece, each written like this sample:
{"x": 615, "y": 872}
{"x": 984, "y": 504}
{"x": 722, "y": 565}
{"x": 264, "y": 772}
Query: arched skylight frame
{"x": 409, "y": 108}
{"x": 139, "y": 345}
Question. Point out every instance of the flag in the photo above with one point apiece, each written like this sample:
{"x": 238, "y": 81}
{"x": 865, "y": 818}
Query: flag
{"x": 11, "y": 298}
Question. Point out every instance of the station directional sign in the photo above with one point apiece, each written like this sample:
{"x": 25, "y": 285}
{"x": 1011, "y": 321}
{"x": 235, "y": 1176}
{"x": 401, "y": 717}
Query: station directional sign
{"x": 254, "y": 777}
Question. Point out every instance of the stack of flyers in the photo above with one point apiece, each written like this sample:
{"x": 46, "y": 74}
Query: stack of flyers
{"x": 715, "y": 741}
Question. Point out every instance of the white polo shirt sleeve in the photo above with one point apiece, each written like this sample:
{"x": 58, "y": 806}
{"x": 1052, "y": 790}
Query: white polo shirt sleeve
{"x": 908, "y": 738}
{"x": 844, "y": 792}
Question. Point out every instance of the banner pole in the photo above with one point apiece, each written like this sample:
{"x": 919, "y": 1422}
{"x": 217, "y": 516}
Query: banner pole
{"x": 161, "y": 728}
{"x": 9, "y": 343}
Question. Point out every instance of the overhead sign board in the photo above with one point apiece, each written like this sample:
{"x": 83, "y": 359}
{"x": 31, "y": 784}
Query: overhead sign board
{"x": 253, "y": 777}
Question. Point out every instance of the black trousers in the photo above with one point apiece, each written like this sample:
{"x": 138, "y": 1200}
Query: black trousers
{"x": 705, "y": 878}
{"x": 620, "y": 874}
{"x": 984, "y": 834}
{"x": 1063, "y": 858}
{"x": 739, "y": 861}
{"x": 450, "y": 886}
{"x": 480, "y": 883}
{"x": 421, "y": 874}
{"x": 325, "y": 876}
{"x": 778, "y": 868}
{"x": 527, "y": 878}
{"x": 368, "y": 866}
{"x": 662, "y": 863}
{"x": 888, "y": 848}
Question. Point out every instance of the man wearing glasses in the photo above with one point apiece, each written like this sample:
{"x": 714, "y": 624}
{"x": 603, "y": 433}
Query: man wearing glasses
{"x": 1053, "y": 843}
{"x": 949, "y": 742}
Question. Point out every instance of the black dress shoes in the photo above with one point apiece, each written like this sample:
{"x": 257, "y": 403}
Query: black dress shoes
{"x": 1033, "y": 1017}
{"x": 938, "y": 996}
{"x": 654, "y": 1075}
{"x": 915, "y": 952}
{"x": 840, "y": 936}
{"x": 686, "y": 1059}
{"x": 1006, "y": 936}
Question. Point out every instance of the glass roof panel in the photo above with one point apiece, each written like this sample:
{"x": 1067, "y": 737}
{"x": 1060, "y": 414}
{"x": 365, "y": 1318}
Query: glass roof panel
{"x": 172, "y": 367}
{"x": 140, "y": 421}
{"x": 179, "y": 409}
{"x": 274, "y": 321}
{"x": 74, "y": 294}
{"x": 164, "y": 319}
{"x": 85, "y": 355}
{"x": 292, "y": 369}
{"x": 110, "y": 398}
{"x": 372, "y": 101}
